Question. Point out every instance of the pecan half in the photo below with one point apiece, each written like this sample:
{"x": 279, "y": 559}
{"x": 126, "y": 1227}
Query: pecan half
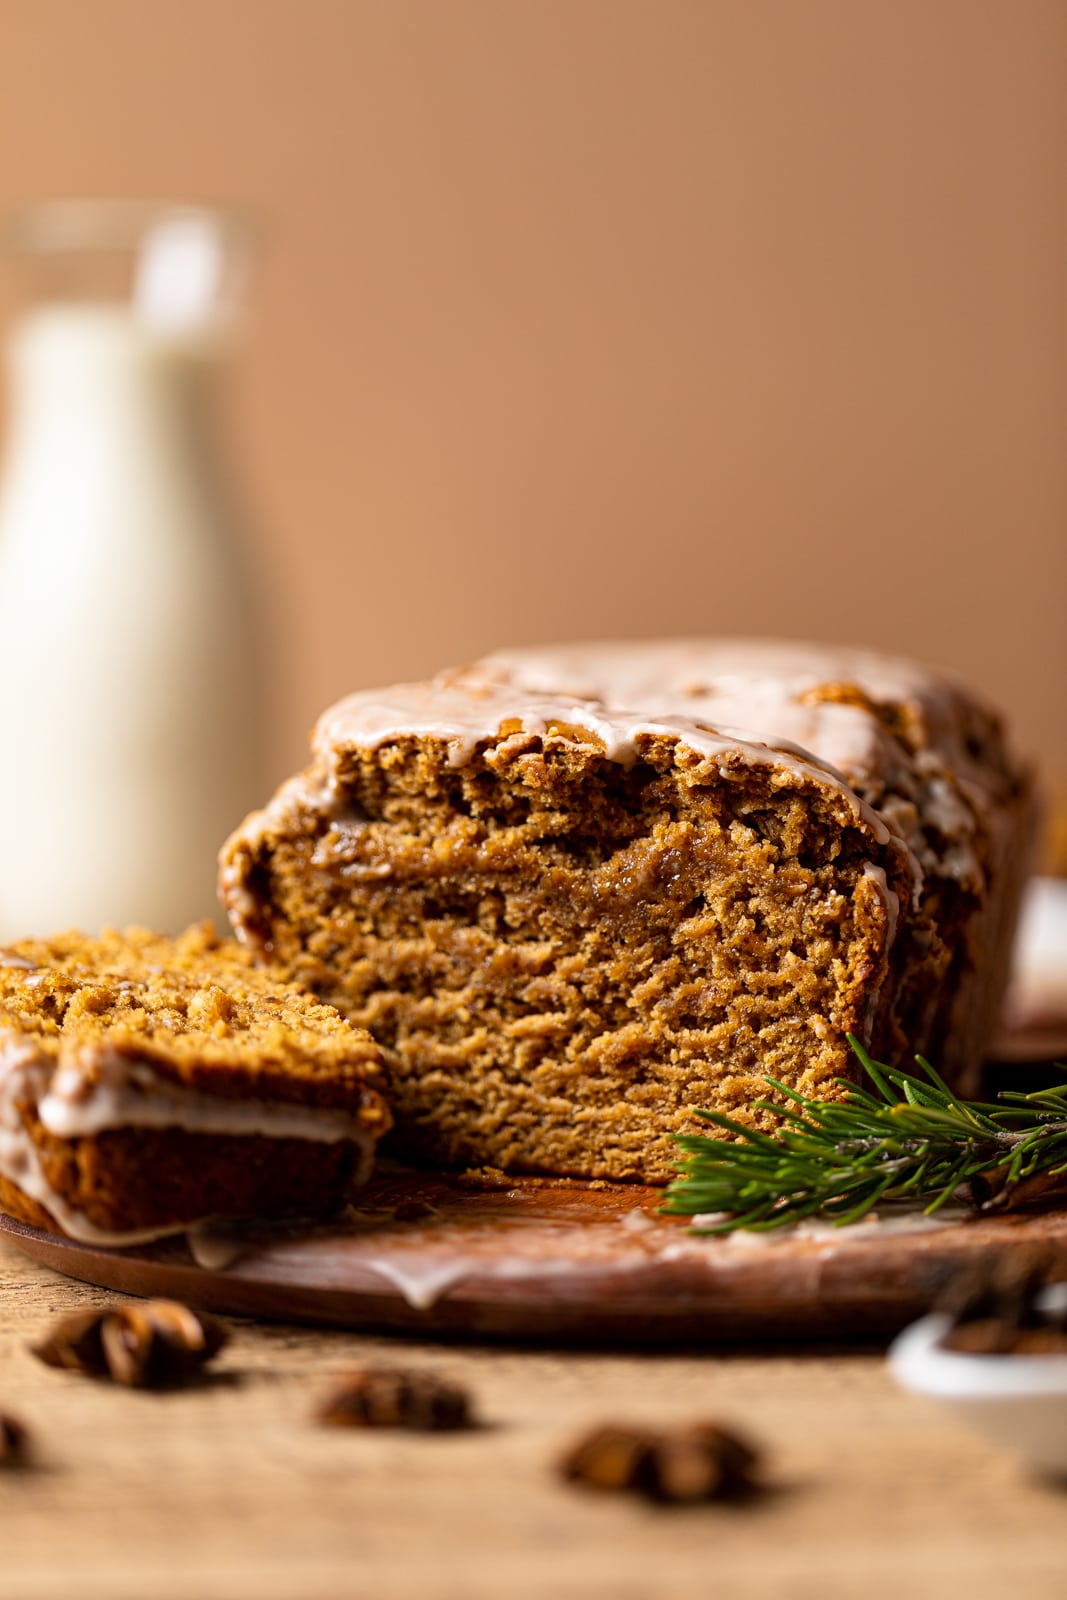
{"x": 693, "y": 1462}
{"x": 151, "y": 1344}
{"x": 394, "y": 1397}
{"x": 74, "y": 1343}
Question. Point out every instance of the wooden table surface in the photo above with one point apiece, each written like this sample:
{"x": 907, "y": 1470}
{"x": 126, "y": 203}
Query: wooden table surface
{"x": 231, "y": 1491}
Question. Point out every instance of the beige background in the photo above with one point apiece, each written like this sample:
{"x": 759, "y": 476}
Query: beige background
{"x": 614, "y": 316}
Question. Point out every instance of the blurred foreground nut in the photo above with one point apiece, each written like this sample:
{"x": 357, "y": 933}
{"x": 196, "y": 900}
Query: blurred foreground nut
{"x": 394, "y": 1397}
{"x": 74, "y": 1343}
{"x": 693, "y": 1462}
{"x": 153, "y": 1344}
{"x": 14, "y": 1441}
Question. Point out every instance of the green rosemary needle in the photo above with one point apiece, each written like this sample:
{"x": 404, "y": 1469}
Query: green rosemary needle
{"x": 906, "y": 1137}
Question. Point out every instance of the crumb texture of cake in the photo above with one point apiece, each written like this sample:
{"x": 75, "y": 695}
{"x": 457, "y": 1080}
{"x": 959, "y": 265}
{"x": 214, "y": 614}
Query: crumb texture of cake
{"x": 926, "y": 752}
{"x": 148, "y": 1083}
{"x": 577, "y": 894}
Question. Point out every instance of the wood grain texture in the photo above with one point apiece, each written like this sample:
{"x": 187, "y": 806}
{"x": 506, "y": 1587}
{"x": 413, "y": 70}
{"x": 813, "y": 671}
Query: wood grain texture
{"x": 231, "y": 1491}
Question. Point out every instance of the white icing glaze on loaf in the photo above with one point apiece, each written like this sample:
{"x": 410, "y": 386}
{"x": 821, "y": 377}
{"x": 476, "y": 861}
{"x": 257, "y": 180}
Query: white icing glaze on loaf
{"x": 463, "y": 710}
{"x": 464, "y": 714}
{"x": 759, "y": 685}
{"x": 937, "y": 794}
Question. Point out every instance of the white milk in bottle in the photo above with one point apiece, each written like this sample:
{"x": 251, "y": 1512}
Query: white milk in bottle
{"x": 130, "y": 699}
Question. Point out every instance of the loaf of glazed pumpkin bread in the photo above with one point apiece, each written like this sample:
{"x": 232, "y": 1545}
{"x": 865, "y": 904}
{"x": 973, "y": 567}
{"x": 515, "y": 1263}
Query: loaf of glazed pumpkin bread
{"x": 577, "y": 894}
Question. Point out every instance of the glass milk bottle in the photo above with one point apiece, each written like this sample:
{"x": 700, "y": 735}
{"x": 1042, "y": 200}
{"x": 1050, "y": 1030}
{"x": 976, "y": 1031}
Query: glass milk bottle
{"x": 130, "y": 695}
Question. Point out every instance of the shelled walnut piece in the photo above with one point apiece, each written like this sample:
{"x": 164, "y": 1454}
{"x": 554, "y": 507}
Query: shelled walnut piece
{"x": 151, "y": 1344}
{"x": 692, "y": 1462}
{"x": 395, "y": 1397}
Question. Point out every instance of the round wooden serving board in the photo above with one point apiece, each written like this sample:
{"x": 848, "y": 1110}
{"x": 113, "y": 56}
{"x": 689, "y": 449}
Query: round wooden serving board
{"x": 548, "y": 1260}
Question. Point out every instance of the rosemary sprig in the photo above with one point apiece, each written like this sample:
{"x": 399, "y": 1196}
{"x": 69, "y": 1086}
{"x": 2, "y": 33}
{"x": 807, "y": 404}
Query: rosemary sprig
{"x": 906, "y": 1138}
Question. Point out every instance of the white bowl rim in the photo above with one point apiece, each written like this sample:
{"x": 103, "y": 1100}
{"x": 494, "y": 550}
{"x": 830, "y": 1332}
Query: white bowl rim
{"x": 918, "y": 1360}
